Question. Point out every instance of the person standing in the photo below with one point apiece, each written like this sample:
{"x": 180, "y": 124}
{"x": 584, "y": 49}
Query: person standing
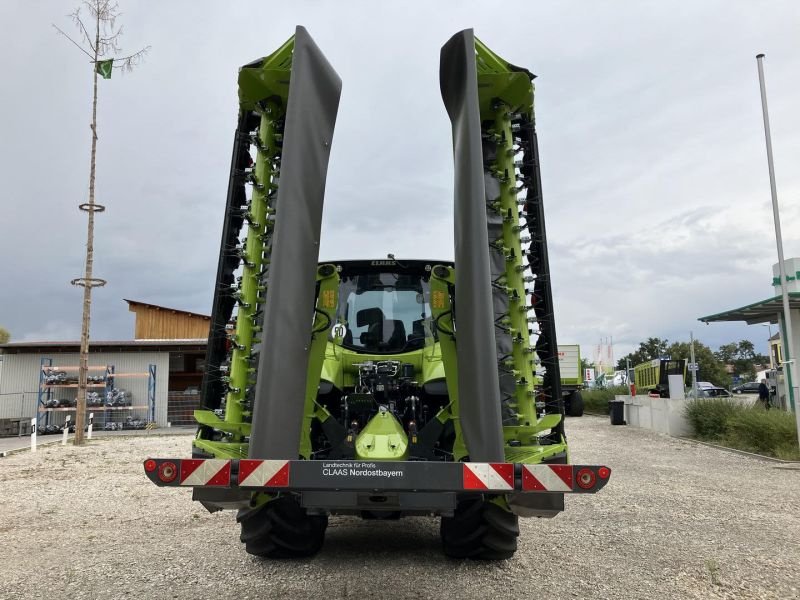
{"x": 763, "y": 394}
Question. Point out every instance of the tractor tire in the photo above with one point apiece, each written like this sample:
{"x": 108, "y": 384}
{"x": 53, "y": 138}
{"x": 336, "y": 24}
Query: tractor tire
{"x": 574, "y": 404}
{"x": 481, "y": 530}
{"x": 281, "y": 528}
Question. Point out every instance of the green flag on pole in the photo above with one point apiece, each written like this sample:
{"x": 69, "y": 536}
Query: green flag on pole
{"x": 103, "y": 68}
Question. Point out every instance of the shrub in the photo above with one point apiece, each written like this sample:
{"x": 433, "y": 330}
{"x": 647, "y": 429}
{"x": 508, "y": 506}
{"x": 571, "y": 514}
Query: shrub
{"x": 596, "y": 400}
{"x": 769, "y": 432}
{"x": 788, "y": 452}
{"x": 709, "y": 416}
{"x": 763, "y": 431}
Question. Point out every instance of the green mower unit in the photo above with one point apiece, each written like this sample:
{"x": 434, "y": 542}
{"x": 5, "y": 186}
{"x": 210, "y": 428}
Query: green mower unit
{"x": 381, "y": 388}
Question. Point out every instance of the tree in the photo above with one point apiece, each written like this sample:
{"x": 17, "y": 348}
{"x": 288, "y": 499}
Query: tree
{"x": 727, "y": 352}
{"x": 710, "y": 368}
{"x": 102, "y": 48}
{"x": 648, "y": 350}
{"x": 743, "y": 357}
{"x": 4, "y": 335}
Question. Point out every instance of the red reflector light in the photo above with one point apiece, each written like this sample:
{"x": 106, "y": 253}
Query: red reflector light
{"x": 604, "y": 472}
{"x": 149, "y": 465}
{"x": 585, "y": 478}
{"x": 167, "y": 472}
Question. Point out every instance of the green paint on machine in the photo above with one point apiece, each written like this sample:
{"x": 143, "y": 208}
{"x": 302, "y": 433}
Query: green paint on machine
{"x": 382, "y": 380}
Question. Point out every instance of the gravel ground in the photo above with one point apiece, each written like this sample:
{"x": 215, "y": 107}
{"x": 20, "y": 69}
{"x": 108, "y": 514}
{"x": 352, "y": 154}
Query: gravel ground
{"x": 677, "y": 520}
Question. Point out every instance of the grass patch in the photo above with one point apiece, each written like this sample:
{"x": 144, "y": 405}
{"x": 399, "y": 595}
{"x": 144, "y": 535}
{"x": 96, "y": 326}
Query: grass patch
{"x": 713, "y": 571}
{"x": 596, "y": 400}
{"x": 750, "y": 428}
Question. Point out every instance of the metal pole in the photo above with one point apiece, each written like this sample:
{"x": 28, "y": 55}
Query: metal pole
{"x": 788, "y": 346}
{"x": 628, "y": 376}
{"x": 769, "y": 342}
{"x": 694, "y": 365}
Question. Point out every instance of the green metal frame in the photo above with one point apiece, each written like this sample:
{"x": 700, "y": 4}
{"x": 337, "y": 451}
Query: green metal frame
{"x": 253, "y": 262}
{"x": 263, "y": 89}
{"x": 443, "y": 280}
{"x": 503, "y": 89}
{"x": 327, "y": 301}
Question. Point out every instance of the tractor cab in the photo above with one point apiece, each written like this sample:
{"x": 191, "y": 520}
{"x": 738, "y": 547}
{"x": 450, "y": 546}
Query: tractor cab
{"x": 384, "y": 305}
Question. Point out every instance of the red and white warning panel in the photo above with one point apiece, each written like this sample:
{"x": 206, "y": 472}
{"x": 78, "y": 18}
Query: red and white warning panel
{"x": 307, "y": 475}
{"x": 489, "y": 476}
{"x": 212, "y": 472}
{"x": 547, "y": 478}
{"x": 263, "y": 473}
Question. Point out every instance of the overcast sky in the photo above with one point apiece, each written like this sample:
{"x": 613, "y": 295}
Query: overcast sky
{"x": 652, "y": 149}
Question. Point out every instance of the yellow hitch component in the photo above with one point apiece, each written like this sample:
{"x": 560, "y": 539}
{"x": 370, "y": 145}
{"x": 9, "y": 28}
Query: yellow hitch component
{"x": 383, "y": 438}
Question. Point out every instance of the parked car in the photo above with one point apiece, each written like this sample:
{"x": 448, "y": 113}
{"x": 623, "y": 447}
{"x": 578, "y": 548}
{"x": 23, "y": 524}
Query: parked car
{"x": 713, "y": 392}
{"x": 751, "y": 387}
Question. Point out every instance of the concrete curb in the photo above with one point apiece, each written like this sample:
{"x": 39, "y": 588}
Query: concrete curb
{"x": 39, "y": 444}
{"x": 741, "y": 452}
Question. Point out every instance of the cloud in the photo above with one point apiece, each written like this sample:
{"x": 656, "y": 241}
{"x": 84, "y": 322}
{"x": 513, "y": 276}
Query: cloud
{"x": 649, "y": 126}
{"x": 52, "y": 330}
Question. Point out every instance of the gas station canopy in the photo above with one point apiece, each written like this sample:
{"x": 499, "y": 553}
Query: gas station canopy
{"x": 765, "y": 311}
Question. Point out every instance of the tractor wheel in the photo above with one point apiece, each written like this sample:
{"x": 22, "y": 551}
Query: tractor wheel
{"x": 480, "y": 529}
{"x": 281, "y": 528}
{"x": 574, "y": 404}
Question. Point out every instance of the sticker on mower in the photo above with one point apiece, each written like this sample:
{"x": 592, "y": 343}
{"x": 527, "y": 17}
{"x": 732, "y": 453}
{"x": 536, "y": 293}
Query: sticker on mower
{"x": 351, "y": 469}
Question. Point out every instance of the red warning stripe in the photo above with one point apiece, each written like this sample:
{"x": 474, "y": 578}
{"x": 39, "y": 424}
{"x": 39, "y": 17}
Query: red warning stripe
{"x": 210, "y": 472}
{"x": 246, "y": 468}
{"x": 263, "y": 473}
{"x": 506, "y": 471}
{"x": 281, "y": 478}
{"x": 547, "y": 478}
{"x": 223, "y": 476}
{"x": 189, "y": 466}
{"x": 564, "y": 472}
{"x": 488, "y": 476}
{"x": 471, "y": 481}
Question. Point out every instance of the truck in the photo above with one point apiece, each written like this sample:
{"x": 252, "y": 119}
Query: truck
{"x": 385, "y": 388}
{"x": 653, "y": 376}
{"x": 569, "y": 366}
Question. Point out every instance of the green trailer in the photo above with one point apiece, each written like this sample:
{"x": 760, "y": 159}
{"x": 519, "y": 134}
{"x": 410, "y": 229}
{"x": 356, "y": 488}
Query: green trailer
{"x": 381, "y": 388}
{"x": 571, "y": 371}
{"x": 653, "y": 375}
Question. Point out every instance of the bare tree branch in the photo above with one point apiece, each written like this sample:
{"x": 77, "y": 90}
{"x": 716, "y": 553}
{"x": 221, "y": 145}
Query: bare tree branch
{"x": 127, "y": 63}
{"x": 104, "y": 13}
{"x": 76, "y": 18}
{"x": 81, "y": 48}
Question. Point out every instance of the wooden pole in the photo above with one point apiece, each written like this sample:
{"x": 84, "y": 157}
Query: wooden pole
{"x": 80, "y": 411}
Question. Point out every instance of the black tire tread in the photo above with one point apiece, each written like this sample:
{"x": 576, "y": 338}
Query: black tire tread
{"x": 281, "y": 528}
{"x": 575, "y": 404}
{"x": 481, "y": 530}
